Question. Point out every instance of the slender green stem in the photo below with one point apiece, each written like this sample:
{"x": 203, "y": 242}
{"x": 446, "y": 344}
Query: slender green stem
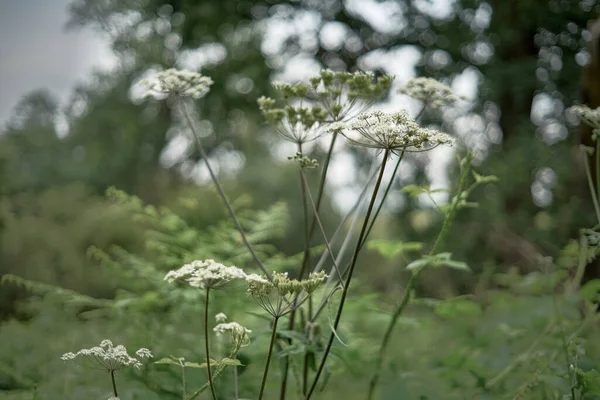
{"x": 306, "y": 258}
{"x": 208, "y": 369}
{"x": 236, "y": 389}
{"x": 523, "y": 357}
{"x": 183, "y": 384}
{"x": 220, "y": 189}
{"x": 268, "y": 362}
{"x": 198, "y": 392}
{"x": 385, "y": 194}
{"x": 588, "y": 175}
{"x": 349, "y": 278}
{"x": 414, "y": 278}
{"x": 597, "y": 154}
{"x": 114, "y": 384}
{"x": 327, "y": 245}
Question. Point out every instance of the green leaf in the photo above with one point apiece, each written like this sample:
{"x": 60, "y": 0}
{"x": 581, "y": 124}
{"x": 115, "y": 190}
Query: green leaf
{"x": 296, "y": 336}
{"x": 168, "y": 361}
{"x": 458, "y": 307}
{"x": 591, "y": 290}
{"x": 230, "y": 361}
{"x": 484, "y": 178}
{"x": 437, "y": 260}
{"x": 203, "y": 365}
{"x": 416, "y": 190}
{"x": 392, "y": 248}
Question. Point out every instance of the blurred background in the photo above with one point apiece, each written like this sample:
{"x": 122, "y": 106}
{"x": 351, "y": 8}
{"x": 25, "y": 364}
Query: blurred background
{"x": 73, "y": 123}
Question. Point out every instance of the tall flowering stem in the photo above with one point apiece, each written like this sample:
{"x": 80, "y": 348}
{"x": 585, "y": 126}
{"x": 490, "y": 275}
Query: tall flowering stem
{"x": 305, "y": 261}
{"x": 220, "y": 189}
{"x": 114, "y": 383}
{"x": 349, "y": 277}
{"x": 269, "y": 354}
{"x": 415, "y": 276}
{"x": 208, "y": 370}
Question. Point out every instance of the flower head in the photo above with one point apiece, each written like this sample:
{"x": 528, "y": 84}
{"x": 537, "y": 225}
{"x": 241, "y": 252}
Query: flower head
{"x": 109, "y": 357}
{"x": 330, "y": 96}
{"x": 590, "y": 117}
{"x": 220, "y": 317}
{"x": 430, "y": 91}
{"x": 282, "y": 294}
{"x": 205, "y": 274}
{"x": 391, "y": 131}
{"x": 181, "y": 83}
{"x": 239, "y": 334}
{"x": 303, "y": 161}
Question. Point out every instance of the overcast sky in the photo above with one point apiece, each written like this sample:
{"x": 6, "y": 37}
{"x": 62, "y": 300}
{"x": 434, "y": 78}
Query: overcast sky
{"x": 37, "y": 52}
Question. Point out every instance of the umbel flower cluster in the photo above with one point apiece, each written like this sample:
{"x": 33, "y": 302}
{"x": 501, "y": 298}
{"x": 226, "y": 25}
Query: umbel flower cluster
{"x": 205, "y": 274}
{"x": 329, "y": 97}
{"x": 240, "y": 335}
{"x": 181, "y": 83}
{"x": 428, "y": 90}
{"x": 280, "y": 295}
{"x": 590, "y": 117}
{"x": 303, "y": 161}
{"x": 390, "y": 131}
{"x": 108, "y": 357}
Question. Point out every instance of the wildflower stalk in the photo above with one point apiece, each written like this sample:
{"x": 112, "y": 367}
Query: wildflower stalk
{"x": 385, "y": 194}
{"x": 588, "y": 175}
{"x": 183, "y": 383}
{"x": 349, "y": 277}
{"x": 415, "y": 276}
{"x": 236, "y": 390}
{"x": 114, "y": 384}
{"x": 320, "y": 224}
{"x": 198, "y": 392}
{"x": 597, "y": 154}
{"x": 305, "y": 262}
{"x": 391, "y": 182}
{"x": 208, "y": 369}
{"x": 268, "y": 362}
{"x": 220, "y": 189}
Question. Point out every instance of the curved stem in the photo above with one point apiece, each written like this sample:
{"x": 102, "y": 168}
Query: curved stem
{"x": 306, "y": 256}
{"x": 385, "y": 194}
{"x": 264, "y": 378}
{"x": 349, "y": 278}
{"x": 588, "y": 175}
{"x": 114, "y": 384}
{"x": 327, "y": 245}
{"x": 414, "y": 278}
{"x": 208, "y": 369}
{"x": 597, "y": 154}
{"x": 220, "y": 190}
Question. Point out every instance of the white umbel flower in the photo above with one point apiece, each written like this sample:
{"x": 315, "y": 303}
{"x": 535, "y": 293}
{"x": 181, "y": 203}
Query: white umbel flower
{"x": 109, "y": 357}
{"x": 430, "y": 91}
{"x": 205, "y": 274}
{"x": 240, "y": 335}
{"x": 391, "y": 131}
{"x": 181, "y": 83}
{"x": 588, "y": 115}
{"x": 220, "y": 317}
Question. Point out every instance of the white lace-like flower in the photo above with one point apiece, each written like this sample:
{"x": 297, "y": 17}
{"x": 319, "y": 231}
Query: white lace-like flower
{"x": 220, "y": 317}
{"x": 430, "y": 91}
{"x": 205, "y": 274}
{"x": 239, "y": 334}
{"x": 109, "y": 357}
{"x": 182, "y": 83}
{"x": 391, "y": 131}
{"x": 589, "y": 116}
{"x": 281, "y": 295}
